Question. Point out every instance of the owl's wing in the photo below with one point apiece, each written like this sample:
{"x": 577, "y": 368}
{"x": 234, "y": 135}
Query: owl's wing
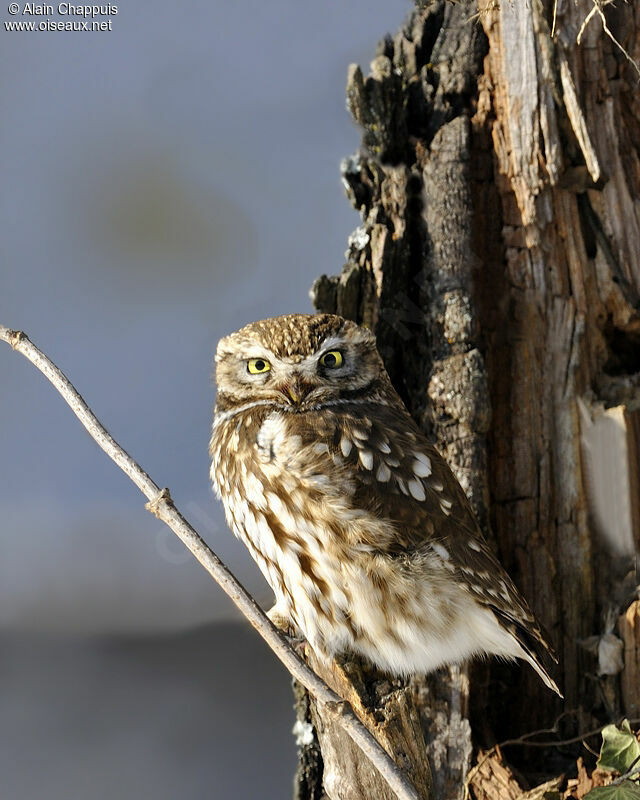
{"x": 397, "y": 475}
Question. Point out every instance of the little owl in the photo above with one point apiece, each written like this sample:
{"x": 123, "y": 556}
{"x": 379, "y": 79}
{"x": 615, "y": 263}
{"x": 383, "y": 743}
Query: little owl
{"x": 355, "y": 520}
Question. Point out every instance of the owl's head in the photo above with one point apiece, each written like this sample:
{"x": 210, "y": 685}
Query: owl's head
{"x": 298, "y": 362}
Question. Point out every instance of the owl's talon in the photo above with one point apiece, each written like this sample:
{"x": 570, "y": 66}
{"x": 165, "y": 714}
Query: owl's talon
{"x": 299, "y": 645}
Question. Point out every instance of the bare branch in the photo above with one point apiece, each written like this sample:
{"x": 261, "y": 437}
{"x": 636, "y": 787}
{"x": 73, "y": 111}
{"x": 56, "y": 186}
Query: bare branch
{"x": 161, "y": 505}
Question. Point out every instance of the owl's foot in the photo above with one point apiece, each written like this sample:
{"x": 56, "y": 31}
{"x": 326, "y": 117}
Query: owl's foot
{"x": 299, "y": 644}
{"x": 278, "y": 615}
{"x": 284, "y": 623}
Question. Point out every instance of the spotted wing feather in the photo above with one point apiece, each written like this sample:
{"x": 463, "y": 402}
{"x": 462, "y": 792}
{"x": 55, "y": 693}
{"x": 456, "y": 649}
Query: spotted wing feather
{"x": 399, "y": 476}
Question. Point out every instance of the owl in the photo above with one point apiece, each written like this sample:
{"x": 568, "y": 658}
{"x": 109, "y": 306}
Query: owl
{"x": 355, "y": 520}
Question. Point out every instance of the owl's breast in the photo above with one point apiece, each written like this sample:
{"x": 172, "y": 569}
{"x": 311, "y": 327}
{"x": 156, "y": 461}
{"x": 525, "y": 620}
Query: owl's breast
{"x": 280, "y": 499}
{"x": 294, "y": 446}
{"x": 266, "y": 452}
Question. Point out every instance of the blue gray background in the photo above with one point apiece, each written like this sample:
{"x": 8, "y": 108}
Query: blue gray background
{"x": 162, "y": 184}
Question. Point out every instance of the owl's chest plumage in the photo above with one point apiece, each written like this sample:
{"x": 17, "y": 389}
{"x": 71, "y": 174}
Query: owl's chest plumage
{"x": 281, "y": 500}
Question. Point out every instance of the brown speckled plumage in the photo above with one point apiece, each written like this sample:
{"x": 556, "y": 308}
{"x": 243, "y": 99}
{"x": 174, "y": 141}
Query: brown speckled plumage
{"x": 356, "y": 521}
{"x": 288, "y": 338}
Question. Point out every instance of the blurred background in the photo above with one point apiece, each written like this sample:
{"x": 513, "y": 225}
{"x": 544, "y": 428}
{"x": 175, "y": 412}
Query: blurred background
{"x": 163, "y": 183}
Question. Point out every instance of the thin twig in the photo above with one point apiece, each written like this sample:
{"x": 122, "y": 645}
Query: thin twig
{"x": 523, "y": 740}
{"x": 598, "y": 6}
{"x": 628, "y": 774}
{"x": 585, "y": 22}
{"x": 161, "y": 505}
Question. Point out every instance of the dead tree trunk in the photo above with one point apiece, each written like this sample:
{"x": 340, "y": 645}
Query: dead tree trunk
{"x": 498, "y": 262}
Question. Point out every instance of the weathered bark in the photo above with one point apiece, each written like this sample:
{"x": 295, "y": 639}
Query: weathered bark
{"x": 498, "y": 262}
{"x": 561, "y": 315}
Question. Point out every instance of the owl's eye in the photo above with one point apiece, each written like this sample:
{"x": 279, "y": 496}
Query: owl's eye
{"x": 257, "y": 365}
{"x": 332, "y": 359}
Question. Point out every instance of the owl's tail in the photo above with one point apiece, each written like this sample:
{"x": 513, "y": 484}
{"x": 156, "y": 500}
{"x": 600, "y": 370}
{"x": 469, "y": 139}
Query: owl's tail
{"x": 542, "y": 672}
{"x": 533, "y": 646}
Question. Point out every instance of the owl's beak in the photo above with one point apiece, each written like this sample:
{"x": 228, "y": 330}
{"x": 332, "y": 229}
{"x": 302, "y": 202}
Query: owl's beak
{"x": 295, "y": 391}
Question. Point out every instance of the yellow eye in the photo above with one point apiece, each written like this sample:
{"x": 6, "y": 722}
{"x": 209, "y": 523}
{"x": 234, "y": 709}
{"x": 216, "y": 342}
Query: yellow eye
{"x": 332, "y": 359}
{"x": 257, "y": 365}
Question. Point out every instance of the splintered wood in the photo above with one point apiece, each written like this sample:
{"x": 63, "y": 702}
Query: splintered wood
{"x": 493, "y": 779}
{"x": 561, "y": 319}
{"x": 389, "y": 713}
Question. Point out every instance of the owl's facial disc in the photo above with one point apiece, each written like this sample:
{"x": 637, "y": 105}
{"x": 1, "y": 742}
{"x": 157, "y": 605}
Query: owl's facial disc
{"x": 297, "y": 381}
{"x": 297, "y": 378}
{"x": 286, "y": 367}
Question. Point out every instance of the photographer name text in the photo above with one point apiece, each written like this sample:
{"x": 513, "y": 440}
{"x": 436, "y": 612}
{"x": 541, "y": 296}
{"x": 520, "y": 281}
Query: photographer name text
{"x": 62, "y": 10}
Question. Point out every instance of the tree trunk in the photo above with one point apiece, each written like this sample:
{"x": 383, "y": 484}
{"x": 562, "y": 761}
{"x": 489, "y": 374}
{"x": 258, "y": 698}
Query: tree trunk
{"x": 498, "y": 262}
